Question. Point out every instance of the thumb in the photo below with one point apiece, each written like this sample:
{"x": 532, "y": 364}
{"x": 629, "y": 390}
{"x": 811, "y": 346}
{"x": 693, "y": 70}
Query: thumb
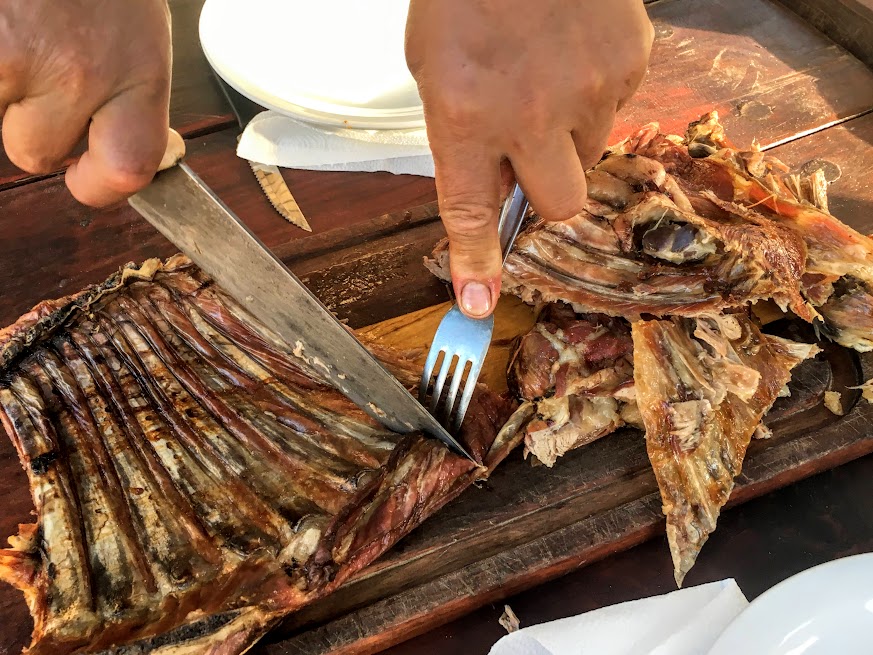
{"x": 468, "y": 187}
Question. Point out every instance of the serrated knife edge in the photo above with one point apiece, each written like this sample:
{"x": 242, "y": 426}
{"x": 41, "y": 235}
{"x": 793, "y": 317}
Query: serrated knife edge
{"x": 270, "y": 179}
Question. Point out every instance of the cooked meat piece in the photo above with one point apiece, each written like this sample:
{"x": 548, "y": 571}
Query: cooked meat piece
{"x": 577, "y": 372}
{"x": 702, "y": 387}
{"x": 643, "y": 245}
{"x": 727, "y": 178}
{"x": 691, "y": 226}
{"x": 193, "y": 480}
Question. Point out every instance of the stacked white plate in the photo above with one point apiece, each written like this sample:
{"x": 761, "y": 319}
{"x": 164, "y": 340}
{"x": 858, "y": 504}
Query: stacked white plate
{"x": 827, "y": 610}
{"x": 326, "y": 62}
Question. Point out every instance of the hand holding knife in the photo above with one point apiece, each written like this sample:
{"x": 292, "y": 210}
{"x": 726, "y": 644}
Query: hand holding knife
{"x": 182, "y": 208}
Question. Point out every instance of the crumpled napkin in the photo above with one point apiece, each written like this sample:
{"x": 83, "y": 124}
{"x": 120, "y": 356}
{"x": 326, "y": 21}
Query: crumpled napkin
{"x": 273, "y": 138}
{"x": 684, "y": 622}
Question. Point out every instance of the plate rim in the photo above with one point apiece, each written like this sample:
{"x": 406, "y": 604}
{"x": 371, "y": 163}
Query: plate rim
{"x": 778, "y": 589}
{"x": 346, "y": 117}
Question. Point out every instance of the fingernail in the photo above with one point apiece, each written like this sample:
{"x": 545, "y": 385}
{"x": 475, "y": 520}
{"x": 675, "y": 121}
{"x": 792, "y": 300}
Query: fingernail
{"x": 476, "y": 299}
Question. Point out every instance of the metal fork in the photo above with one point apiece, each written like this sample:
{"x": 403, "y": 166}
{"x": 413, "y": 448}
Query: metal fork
{"x": 461, "y": 342}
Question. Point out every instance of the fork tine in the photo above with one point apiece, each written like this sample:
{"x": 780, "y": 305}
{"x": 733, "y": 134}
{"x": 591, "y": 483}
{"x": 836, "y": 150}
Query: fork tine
{"x": 440, "y": 382}
{"x": 457, "y": 374}
{"x": 429, "y": 365}
{"x": 467, "y": 395}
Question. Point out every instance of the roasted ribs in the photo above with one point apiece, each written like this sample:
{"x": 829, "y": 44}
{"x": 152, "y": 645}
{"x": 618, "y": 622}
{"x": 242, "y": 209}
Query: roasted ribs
{"x": 193, "y": 480}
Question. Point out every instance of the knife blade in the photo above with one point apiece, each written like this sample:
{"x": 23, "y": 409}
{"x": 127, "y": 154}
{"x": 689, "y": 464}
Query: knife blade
{"x": 278, "y": 194}
{"x": 269, "y": 177}
{"x": 196, "y": 221}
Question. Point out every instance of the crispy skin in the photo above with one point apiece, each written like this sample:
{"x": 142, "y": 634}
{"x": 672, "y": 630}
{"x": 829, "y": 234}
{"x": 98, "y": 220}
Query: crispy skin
{"x": 644, "y": 246}
{"x": 710, "y": 169}
{"x": 193, "y": 480}
{"x": 577, "y": 373}
{"x": 703, "y": 386}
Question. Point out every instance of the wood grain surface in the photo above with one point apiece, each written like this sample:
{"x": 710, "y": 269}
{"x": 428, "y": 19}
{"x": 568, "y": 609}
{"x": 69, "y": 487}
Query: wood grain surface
{"x": 759, "y": 543}
{"x": 848, "y": 22}
{"x": 771, "y": 75}
{"x": 529, "y": 524}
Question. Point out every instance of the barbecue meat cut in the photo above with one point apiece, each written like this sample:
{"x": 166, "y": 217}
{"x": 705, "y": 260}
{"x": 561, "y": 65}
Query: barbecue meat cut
{"x": 703, "y": 386}
{"x": 193, "y": 480}
{"x": 576, "y": 371}
{"x": 692, "y": 226}
{"x": 837, "y": 280}
{"x": 642, "y": 245}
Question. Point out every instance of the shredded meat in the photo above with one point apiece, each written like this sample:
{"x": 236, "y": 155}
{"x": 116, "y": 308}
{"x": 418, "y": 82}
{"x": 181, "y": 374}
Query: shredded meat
{"x": 577, "y": 372}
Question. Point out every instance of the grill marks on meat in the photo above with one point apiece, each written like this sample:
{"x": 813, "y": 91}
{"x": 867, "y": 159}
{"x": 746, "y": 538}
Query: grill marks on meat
{"x": 576, "y": 372}
{"x": 703, "y": 386}
{"x": 181, "y": 460}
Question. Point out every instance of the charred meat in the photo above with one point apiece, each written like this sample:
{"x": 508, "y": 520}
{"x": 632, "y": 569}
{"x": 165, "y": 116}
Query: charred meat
{"x": 193, "y": 480}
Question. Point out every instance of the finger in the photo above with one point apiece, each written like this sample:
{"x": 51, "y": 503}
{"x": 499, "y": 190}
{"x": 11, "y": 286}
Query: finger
{"x": 551, "y": 176}
{"x": 39, "y": 132}
{"x": 468, "y": 187}
{"x": 12, "y": 76}
{"x": 507, "y": 178}
{"x": 592, "y": 139}
{"x": 126, "y": 143}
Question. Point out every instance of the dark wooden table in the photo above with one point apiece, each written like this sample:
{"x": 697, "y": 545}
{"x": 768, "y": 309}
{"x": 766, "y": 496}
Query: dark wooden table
{"x": 772, "y": 75}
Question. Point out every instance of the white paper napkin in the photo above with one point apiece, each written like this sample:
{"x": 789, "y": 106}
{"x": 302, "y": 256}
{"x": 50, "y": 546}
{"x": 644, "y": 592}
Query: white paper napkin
{"x": 273, "y": 138}
{"x": 684, "y": 622}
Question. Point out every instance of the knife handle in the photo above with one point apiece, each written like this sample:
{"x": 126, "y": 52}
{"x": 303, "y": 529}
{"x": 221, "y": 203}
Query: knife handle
{"x": 175, "y": 151}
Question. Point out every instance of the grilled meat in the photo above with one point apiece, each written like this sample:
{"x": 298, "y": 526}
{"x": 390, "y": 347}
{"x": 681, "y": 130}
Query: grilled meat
{"x": 577, "y": 373}
{"x": 702, "y": 387}
{"x": 193, "y": 480}
{"x": 838, "y": 269}
{"x": 644, "y": 245}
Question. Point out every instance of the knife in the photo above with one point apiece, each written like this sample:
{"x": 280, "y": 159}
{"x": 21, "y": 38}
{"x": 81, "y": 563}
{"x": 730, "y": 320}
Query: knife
{"x": 269, "y": 177}
{"x": 196, "y": 221}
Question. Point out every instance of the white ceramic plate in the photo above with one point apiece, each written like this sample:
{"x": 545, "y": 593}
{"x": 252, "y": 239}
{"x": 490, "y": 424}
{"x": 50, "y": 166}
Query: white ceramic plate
{"x": 825, "y": 610}
{"x": 330, "y": 62}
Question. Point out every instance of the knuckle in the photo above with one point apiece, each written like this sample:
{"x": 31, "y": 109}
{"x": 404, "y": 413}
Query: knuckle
{"x": 536, "y": 114}
{"x": 130, "y": 177}
{"x": 33, "y": 161}
{"x": 562, "y": 206}
{"x": 459, "y": 108}
{"x": 78, "y": 75}
{"x": 468, "y": 218}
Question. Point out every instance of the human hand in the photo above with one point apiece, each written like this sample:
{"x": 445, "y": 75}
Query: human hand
{"x": 96, "y": 65}
{"x": 524, "y": 88}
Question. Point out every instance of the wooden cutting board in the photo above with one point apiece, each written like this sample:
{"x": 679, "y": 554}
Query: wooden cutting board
{"x": 530, "y": 523}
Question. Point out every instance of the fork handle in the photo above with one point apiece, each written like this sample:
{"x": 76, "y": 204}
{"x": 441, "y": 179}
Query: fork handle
{"x": 511, "y": 217}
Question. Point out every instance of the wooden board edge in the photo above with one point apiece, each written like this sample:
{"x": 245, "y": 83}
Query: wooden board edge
{"x": 848, "y": 23}
{"x": 403, "y": 616}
